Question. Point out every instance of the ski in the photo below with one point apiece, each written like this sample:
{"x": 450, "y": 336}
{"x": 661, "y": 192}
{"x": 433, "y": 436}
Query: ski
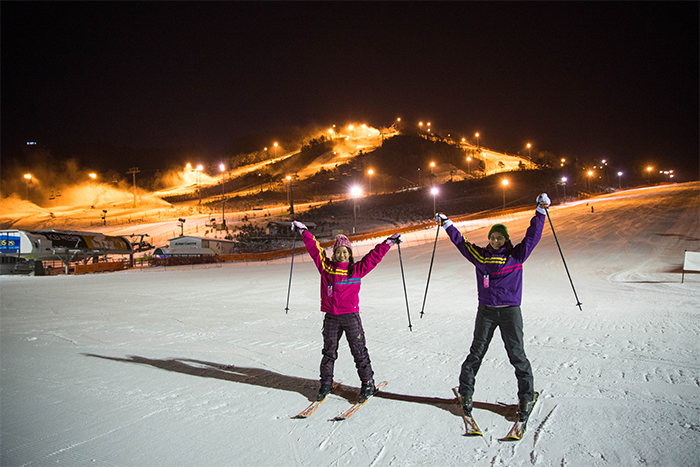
{"x": 345, "y": 415}
{"x": 518, "y": 429}
{"x": 306, "y": 413}
{"x": 469, "y": 422}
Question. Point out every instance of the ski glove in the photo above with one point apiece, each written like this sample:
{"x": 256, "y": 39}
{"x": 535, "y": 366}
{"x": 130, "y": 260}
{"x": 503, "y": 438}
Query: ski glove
{"x": 542, "y": 203}
{"x": 394, "y": 239}
{"x": 442, "y": 220}
{"x": 296, "y": 225}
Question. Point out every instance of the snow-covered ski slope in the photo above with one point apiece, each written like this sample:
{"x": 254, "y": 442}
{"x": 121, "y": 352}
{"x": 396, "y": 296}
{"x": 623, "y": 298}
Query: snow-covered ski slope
{"x": 202, "y": 367}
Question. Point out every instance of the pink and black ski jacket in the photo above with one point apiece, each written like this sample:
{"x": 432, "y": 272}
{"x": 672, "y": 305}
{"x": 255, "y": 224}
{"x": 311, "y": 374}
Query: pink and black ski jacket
{"x": 499, "y": 274}
{"x": 340, "y": 294}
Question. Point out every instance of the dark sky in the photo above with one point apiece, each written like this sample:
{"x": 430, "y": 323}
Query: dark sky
{"x": 589, "y": 80}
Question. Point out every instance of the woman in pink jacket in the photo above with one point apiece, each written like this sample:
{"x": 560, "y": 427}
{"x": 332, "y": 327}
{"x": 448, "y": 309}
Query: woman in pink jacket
{"x": 340, "y": 299}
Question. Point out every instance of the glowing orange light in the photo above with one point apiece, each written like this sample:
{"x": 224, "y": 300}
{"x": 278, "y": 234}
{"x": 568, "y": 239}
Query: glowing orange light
{"x": 92, "y": 176}
{"x": 28, "y": 176}
{"x": 504, "y": 182}
{"x": 370, "y": 171}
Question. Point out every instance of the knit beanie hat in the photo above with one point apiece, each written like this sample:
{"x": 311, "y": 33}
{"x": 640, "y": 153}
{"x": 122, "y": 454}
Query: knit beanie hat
{"x": 500, "y": 228}
{"x": 341, "y": 240}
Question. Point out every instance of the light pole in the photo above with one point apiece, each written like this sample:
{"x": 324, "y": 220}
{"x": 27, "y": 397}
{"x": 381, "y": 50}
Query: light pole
{"x": 434, "y": 191}
{"x": 590, "y": 174}
{"x": 291, "y": 196}
{"x": 223, "y": 195}
{"x": 477, "y": 142}
{"x": 370, "y": 172}
{"x": 504, "y": 183}
{"x": 432, "y": 174}
{"x": 529, "y": 151}
{"x": 27, "y": 178}
{"x": 563, "y": 182}
{"x": 649, "y": 175}
{"x": 619, "y": 182}
{"x": 198, "y": 175}
{"x": 469, "y": 170}
{"x": 133, "y": 171}
{"x": 355, "y": 192}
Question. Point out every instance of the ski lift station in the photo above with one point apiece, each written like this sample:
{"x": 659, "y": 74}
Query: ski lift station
{"x": 36, "y": 246}
{"x": 196, "y": 246}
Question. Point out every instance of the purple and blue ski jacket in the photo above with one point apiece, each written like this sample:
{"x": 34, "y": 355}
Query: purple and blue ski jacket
{"x": 340, "y": 294}
{"x": 499, "y": 274}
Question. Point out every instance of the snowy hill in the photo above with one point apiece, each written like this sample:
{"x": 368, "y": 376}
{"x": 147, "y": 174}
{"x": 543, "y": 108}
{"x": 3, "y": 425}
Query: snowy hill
{"x": 202, "y": 367}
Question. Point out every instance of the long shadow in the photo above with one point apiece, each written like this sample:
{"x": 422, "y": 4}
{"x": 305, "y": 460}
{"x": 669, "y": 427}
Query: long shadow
{"x": 304, "y": 386}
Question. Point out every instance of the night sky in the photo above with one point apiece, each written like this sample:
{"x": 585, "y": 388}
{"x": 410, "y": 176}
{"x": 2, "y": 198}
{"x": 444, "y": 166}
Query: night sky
{"x": 593, "y": 80}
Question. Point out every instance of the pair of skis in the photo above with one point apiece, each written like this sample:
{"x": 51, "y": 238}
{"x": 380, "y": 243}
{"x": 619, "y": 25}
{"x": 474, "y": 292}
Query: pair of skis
{"x": 514, "y": 434}
{"x": 306, "y": 413}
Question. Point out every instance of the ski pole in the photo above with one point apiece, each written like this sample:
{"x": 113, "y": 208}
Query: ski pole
{"x": 410, "y": 328}
{"x": 429, "y": 271}
{"x": 578, "y": 302}
{"x": 289, "y": 289}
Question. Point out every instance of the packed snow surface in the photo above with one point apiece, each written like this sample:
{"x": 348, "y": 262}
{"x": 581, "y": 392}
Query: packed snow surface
{"x": 194, "y": 366}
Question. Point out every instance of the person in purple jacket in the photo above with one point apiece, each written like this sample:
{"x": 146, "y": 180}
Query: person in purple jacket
{"x": 340, "y": 300}
{"x": 499, "y": 277}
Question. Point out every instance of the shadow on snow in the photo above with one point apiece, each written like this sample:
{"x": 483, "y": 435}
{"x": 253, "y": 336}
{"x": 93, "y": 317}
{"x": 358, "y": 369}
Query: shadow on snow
{"x": 304, "y": 386}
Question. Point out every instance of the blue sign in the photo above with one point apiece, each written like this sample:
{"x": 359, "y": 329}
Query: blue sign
{"x": 9, "y": 243}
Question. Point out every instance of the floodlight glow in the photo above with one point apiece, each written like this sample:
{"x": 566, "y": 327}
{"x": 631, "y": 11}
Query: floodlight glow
{"x": 434, "y": 191}
{"x": 355, "y": 191}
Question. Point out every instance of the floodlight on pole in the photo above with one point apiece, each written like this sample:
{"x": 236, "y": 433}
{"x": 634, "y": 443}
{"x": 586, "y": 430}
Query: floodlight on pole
{"x": 504, "y": 182}
{"x": 355, "y": 192}
{"x": 434, "y": 191}
{"x": 222, "y": 167}
{"x": 370, "y": 172}
{"x": 27, "y": 178}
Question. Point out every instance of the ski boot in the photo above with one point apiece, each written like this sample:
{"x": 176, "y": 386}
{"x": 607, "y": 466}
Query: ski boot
{"x": 525, "y": 409}
{"x": 466, "y": 404}
{"x": 366, "y": 391}
{"x": 325, "y": 389}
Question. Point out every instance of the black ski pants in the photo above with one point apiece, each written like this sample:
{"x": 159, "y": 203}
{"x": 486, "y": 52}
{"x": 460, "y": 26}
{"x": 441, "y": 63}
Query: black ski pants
{"x": 510, "y": 321}
{"x": 333, "y": 328}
